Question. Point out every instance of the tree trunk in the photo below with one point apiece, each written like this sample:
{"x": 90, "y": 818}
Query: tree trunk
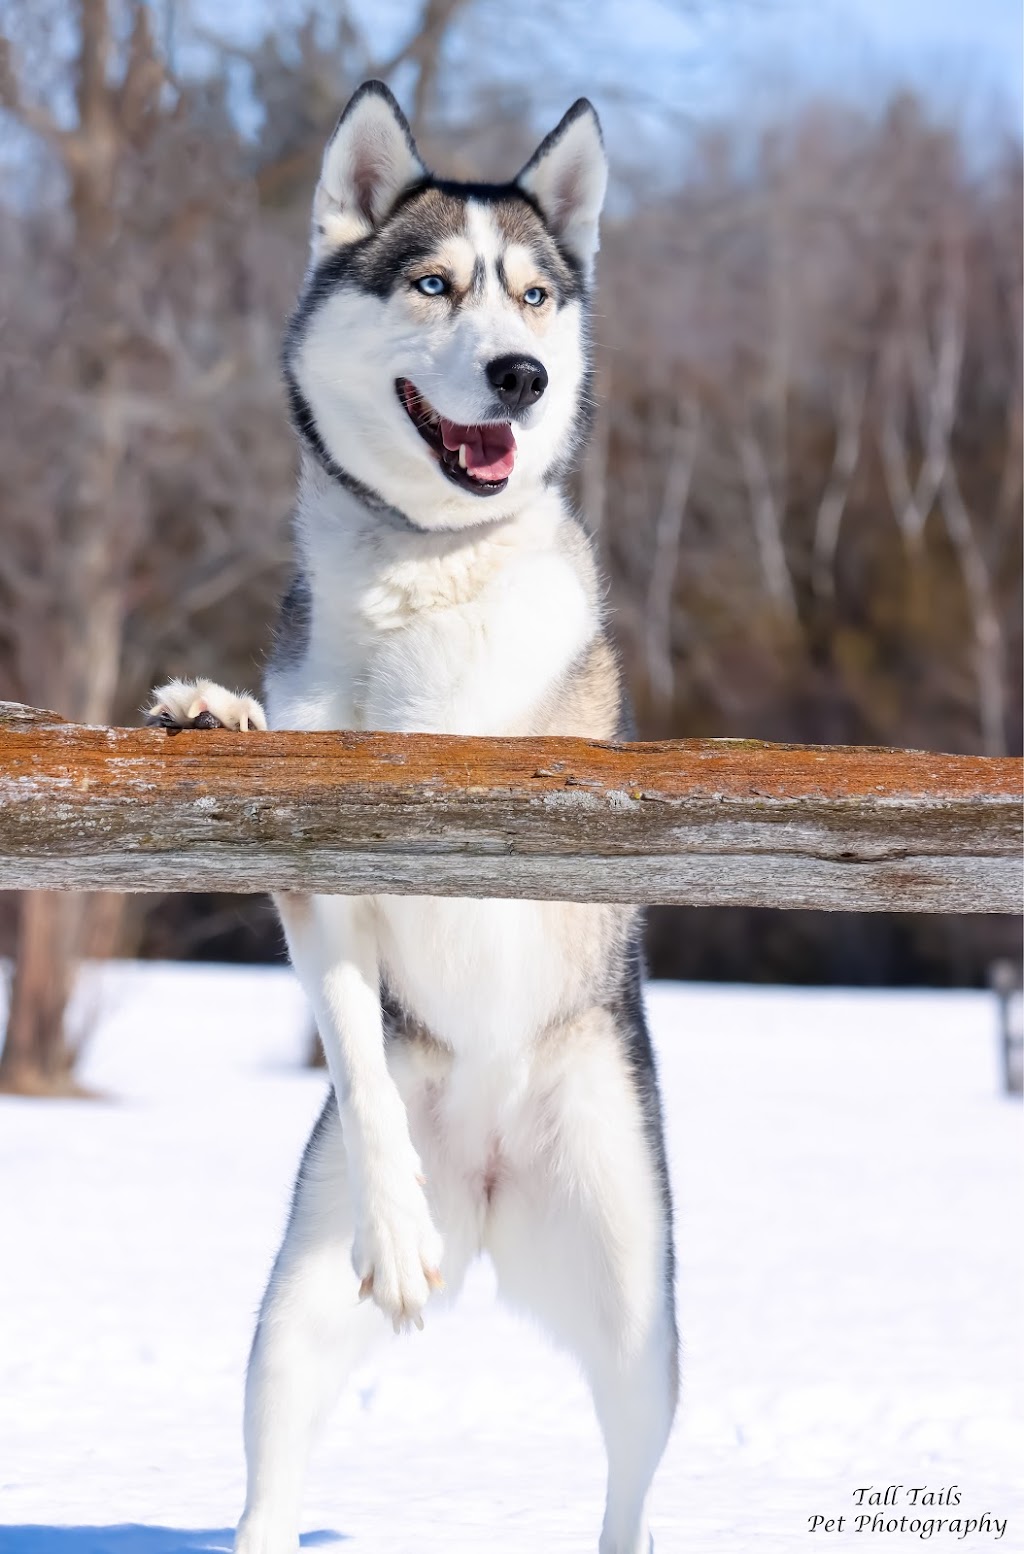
{"x": 53, "y": 933}
{"x": 87, "y": 579}
{"x": 37, "y": 1058}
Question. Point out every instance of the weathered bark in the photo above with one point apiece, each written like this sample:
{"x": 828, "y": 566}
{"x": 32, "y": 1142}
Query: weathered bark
{"x": 702, "y": 822}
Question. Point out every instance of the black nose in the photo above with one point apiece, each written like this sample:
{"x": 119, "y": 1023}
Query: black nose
{"x": 518, "y": 381}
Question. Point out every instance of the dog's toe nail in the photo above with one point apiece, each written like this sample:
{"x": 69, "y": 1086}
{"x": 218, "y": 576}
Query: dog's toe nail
{"x": 163, "y": 717}
{"x": 366, "y": 1287}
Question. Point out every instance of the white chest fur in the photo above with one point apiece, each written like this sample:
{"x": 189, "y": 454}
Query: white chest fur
{"x": 433, "y": 633}
{"x": 429, "y": 634}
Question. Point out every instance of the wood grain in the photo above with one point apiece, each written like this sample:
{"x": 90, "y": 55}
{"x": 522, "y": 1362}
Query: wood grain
{"x": 704, "y": 822}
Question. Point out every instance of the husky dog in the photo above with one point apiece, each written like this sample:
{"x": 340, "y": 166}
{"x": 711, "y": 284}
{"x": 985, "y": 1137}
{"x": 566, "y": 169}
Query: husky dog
{"x": 493, "y": 1083}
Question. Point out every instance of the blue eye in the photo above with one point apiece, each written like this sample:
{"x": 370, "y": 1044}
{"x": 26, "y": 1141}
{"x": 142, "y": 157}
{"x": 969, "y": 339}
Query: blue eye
{"x": 432, "y": 285}
{"x": 535, "y": 296}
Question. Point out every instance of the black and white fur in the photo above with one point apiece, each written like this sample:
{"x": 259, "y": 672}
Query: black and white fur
{"x": 493, "y": 1083}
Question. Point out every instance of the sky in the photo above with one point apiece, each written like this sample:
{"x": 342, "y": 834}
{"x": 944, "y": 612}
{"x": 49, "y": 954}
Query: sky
{"x": 990, "y": 30}
{"x": 953, "y": 49}
{"x": 711, "y": 54}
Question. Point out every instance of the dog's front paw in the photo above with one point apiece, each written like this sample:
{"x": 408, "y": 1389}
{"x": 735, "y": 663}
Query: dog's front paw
{"x": 397, "y": 1252}
{"x": 203, "y": 704}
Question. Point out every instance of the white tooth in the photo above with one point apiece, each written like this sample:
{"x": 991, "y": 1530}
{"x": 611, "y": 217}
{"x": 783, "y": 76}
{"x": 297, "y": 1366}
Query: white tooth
{"x": 462, "y": 455}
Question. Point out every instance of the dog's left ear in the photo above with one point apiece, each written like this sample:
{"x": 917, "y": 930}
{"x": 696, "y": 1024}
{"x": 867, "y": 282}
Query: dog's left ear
{"x": 567, "y": 176}
{"x": 370, "y": 159}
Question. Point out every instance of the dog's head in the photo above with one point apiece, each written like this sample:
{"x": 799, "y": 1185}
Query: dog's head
{"x": 437, "y": 356}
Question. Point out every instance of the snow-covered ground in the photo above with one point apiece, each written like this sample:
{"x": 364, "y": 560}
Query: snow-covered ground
{"x": 847, "y": 1183}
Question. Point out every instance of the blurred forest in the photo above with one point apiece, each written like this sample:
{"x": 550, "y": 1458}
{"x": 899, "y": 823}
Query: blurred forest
{"x": 804, "y": 476}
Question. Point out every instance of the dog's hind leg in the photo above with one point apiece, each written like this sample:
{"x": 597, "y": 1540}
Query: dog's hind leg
{"x": 312, "y": 1331}
{"x": 580, "y": 1236}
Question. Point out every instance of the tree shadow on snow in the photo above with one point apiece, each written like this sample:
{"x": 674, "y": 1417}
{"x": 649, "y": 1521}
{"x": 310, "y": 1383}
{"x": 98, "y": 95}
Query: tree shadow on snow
{"x": 130, "y": 1538}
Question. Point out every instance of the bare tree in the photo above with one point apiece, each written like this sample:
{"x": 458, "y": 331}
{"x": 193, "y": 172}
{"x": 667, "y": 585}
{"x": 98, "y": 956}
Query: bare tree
{"x": 815, "y": 298}
{"x": 849, "y": 430}
{"x": 120, "y": 334}
{"x": 684, "y": 438}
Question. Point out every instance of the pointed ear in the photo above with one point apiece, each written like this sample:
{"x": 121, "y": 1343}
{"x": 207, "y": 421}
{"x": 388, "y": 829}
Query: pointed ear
{"x": 368, "y": 162}
{"x": 567, "y": 176}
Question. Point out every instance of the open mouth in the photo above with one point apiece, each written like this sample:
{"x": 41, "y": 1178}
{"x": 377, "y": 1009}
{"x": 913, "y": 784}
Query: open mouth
{"x": 478, "y": 458}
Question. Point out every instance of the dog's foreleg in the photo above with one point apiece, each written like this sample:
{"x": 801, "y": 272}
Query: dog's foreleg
{"x": 396, "y": 1251}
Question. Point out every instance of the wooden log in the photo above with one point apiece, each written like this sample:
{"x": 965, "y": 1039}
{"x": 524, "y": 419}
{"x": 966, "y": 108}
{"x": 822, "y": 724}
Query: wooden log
{"x": 702, "y": 822}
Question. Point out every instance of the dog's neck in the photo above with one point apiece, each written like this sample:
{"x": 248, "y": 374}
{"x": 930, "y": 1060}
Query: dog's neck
{"x": 347, "y": 517}
{"x": 360, "y": 560}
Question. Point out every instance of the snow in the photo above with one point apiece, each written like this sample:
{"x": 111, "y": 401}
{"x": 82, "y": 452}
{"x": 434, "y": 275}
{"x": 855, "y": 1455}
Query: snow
{"x": 847, "y": 1191}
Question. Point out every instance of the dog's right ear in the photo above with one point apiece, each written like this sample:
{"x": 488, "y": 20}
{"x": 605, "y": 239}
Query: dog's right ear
{"x": 370, "y": 159}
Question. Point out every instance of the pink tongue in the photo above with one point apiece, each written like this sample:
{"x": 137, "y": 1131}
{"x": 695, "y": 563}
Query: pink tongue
{"x": 490, "y": 450}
